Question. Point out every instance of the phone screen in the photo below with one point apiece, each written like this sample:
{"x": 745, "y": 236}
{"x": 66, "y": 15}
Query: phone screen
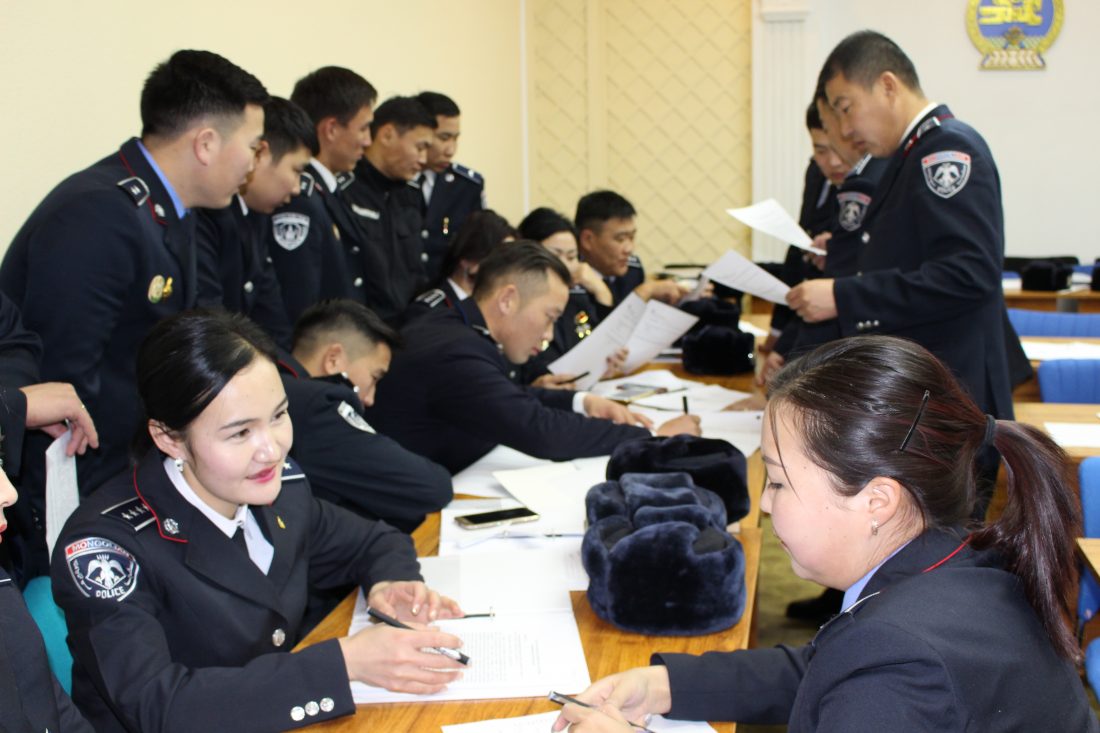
{"x": 501, "y": 516}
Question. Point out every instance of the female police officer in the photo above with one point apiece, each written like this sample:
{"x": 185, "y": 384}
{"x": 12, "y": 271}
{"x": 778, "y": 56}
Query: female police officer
{"x": 184, "y": 580}
{"x": 870, "y": 446}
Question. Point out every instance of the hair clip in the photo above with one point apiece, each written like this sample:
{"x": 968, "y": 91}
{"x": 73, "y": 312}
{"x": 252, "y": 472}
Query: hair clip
{"x": 916, "y": 420}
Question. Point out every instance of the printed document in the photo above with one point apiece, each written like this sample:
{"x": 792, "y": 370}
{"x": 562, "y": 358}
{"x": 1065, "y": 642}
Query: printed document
{"x": 541, "y": 724}
{"x": 737, "y": 272}
{"x": 771, "y": 218}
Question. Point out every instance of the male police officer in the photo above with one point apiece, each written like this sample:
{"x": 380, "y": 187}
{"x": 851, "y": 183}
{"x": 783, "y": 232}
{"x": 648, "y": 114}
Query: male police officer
{"x": 235, "y": 271}
{"x": 449, "y": 395}
{"x": 110, "y": 251}
{"x": 451, "y": 191}
{"x": 933, "y": 238}
{"x": 606, "y": 229}
{"x": 341, "y": 351}
{"x": 388, "y": 207}
{"x": 314, "y": 241}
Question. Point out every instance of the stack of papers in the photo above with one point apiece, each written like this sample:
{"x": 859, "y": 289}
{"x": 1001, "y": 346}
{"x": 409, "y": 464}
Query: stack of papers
{"x": 541, "y": 724}
{"x": 1048, "y": 350}
{"x": 1074, "y": 434}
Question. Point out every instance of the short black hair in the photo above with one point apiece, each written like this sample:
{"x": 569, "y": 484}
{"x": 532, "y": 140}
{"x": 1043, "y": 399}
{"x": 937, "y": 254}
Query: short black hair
{"x": 543, "y": 223}
{"x": 195, "y": 84}
{"x": 404, "y": 113}
{"x": 813, "y": 117}
{"x": 322, "y": 320}
{"x": 863, "y": 57}
{"x": 333, "y": 91}
{"x": 521, "y": 259}
{"x": 481, "y": 233}
{"x": 287, "y": 127}
{"x": 600, "y": 206}
{"x": 438, "y": 104}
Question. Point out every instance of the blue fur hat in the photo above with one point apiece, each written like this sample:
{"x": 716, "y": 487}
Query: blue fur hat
{"x": 658, "y": 557}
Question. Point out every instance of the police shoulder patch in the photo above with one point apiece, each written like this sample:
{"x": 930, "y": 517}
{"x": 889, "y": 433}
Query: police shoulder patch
{"x": 853, "y": 207}
{"x": 306, "y": 184}
{"x": 946, "y": 172}
{"x": 353, "y": 418}
{"x": 290, "y": 229}
{"x": 135, "y": 188}
{"x": 133, "y": 512}
{"x": 468, "y": 173}
{"x": 343, "y": 180}
{"x": 101, "y": 568}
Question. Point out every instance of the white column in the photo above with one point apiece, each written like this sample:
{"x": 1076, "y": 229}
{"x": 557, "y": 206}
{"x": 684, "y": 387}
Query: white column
{"x": 783, "y": 55}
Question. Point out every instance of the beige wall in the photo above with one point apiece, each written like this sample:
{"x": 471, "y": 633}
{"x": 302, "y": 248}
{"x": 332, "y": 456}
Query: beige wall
{"x": 652, "y": 99}
{"x": 71, "y": 73}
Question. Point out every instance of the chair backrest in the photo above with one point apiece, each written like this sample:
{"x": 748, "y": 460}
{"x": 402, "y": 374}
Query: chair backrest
{"x": 1070, "y": 380}
{"x": 1088, "y": 600}
{"x": 1046, "y": 323}
{"x": 51, "y": 622}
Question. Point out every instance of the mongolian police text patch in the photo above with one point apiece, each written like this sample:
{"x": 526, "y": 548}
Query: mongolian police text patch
{"x": 853, "y": 205}
{"x": 101, "y": 569}
{"x": 946, "y": 172}
{"x": 290, "y": 229}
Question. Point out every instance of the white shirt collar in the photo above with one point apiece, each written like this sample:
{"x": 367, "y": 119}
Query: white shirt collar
{"x": 327, "y": 176}
{"x": 462, "y": 294}
{"x": 244, "y": 206}
{"x": 913, "y": 123}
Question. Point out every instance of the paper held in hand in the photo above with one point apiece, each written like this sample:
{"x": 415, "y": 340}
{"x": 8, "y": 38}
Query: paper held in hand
{"x": 771, "y": 218}
{"x": 737, "y": 272}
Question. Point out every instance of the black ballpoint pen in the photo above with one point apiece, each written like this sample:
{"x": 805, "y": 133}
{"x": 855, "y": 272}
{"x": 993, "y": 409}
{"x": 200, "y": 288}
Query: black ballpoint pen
{"x": 561, "y": 699}
{"x": 391, "y": 621}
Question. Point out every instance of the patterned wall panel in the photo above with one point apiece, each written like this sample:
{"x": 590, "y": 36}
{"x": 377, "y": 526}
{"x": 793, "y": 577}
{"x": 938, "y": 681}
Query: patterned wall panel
{"x": 668, "y": 107}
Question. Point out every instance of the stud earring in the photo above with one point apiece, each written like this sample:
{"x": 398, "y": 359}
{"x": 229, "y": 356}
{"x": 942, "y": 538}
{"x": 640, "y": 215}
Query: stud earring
{"x": 179, "y": 464}
{"x": 874, "y": 527}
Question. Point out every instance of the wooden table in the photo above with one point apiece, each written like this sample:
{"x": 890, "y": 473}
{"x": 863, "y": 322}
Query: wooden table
{"x": 1089, "y": 547}
{"x": 1080, "y": 301}
{"x": 1038, "y": 413}
{"x": 606, "y": 648}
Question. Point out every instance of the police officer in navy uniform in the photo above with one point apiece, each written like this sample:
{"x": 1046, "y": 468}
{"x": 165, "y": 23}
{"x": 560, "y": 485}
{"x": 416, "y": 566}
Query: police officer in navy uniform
{"x": 933, "y": 238}
{"x": 451, "y": 191}
{"x": 341, "y": 351}
{"x": 449, "y": 394}
{"x": 606, "y": 229}
{"x": 184, "y": 580}
{"x": 387, "y": 205}
{"x": 110, "y": 251}
{"x": 315, "y": 242}
{"x": 235, "y": 270}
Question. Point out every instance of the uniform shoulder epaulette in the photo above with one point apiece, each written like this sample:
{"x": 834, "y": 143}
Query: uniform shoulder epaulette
{"x": 306, "y": 184}
{"x": 343, "y": 180}
{"x": 633, "y": 261}
{"x": 135, "y": 188}
{"x": 468, "y": 173}
{"x": 292, "y": 471}
{"x": 577, "y": 290}
{"x": 133, "y": 512}
{"x": 432, "y": 298}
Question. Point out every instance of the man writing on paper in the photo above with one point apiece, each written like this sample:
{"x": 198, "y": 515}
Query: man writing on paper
{"x": 449, "y": 396}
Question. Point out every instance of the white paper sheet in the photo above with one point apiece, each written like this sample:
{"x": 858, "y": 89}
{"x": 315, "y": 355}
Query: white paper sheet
{"x": 541, "y": 724}
{"x": 62, "y": 493}
{"x": 502, "y": 581}
{"x": 1047, "y": 350}
{"x": 521, "y": 654}
{"x": 656, "y": 378}
{"x": 701, "y": 399}
{"x": 754, "y": 330}
{"x": 739, "y": 273}
{"x": 770, "y": 217}
{"x": 660, "y": 326}
{"x": 1074, "y": 434}
{"x": 591, "y": 354}
{"x": 477, "y": 479}
{"x": 556, "y": 492}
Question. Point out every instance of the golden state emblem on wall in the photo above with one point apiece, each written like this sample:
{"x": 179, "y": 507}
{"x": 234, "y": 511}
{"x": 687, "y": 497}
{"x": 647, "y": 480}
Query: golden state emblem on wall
{"x": 1014, "y": 34}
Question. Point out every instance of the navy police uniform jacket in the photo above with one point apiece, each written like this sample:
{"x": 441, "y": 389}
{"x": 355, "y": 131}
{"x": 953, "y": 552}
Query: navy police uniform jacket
{"x": 235, "y": 271}
{"x": 930, "y": 266}
{"x": 173, "y": 628}
{"x": 351, "y": 465}
{"x": 388, "y": 213}
{"x": 100, "y": 261}
{"x": 575, "y": 324}
{"x": 442, "y": 295}
{"x": 20, "y": 353}
{"x": 449, "y": 395}
{"x": 314, "y": 245}
{"x": 31, "y": 700}
{"x": 622, "y": 287}
{"x": 936, "y": 642}
{"x": 456, "y": 193}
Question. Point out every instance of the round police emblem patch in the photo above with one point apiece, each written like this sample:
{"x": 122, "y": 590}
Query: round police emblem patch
{"x": 290, "y": 229}
{"x": 353, "y": 418}
{"x": 853, "y": 206}
{"x": 101, "y": 569}
{"x": 946, "y": 172}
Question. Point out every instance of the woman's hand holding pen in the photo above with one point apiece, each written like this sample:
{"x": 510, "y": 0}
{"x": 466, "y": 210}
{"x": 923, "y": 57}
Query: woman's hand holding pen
{"x": 411, "y": 601}
{"x": 396, "y": 659}
{"x": 619, "y": 699}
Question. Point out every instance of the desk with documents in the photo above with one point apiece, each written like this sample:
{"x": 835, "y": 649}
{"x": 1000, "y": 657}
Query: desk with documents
{"x": 606, "y": 648}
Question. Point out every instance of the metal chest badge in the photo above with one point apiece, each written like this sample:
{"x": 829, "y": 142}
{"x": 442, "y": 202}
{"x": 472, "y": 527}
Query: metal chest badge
{"x": 160, "y": 288}
{"x": 582, "y": 325}
{"x": 1014, "y": 34}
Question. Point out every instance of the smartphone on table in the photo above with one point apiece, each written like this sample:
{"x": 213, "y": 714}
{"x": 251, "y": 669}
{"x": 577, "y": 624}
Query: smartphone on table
{"x": 497, "y": 518}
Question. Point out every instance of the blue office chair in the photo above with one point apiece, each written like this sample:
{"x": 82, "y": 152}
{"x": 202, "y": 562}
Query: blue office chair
{"x": 1070, "y": 380}
{"x": 51, "y": 622}
{"x": 1046, "y": 323}
{"x": 1088, "y": 600}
